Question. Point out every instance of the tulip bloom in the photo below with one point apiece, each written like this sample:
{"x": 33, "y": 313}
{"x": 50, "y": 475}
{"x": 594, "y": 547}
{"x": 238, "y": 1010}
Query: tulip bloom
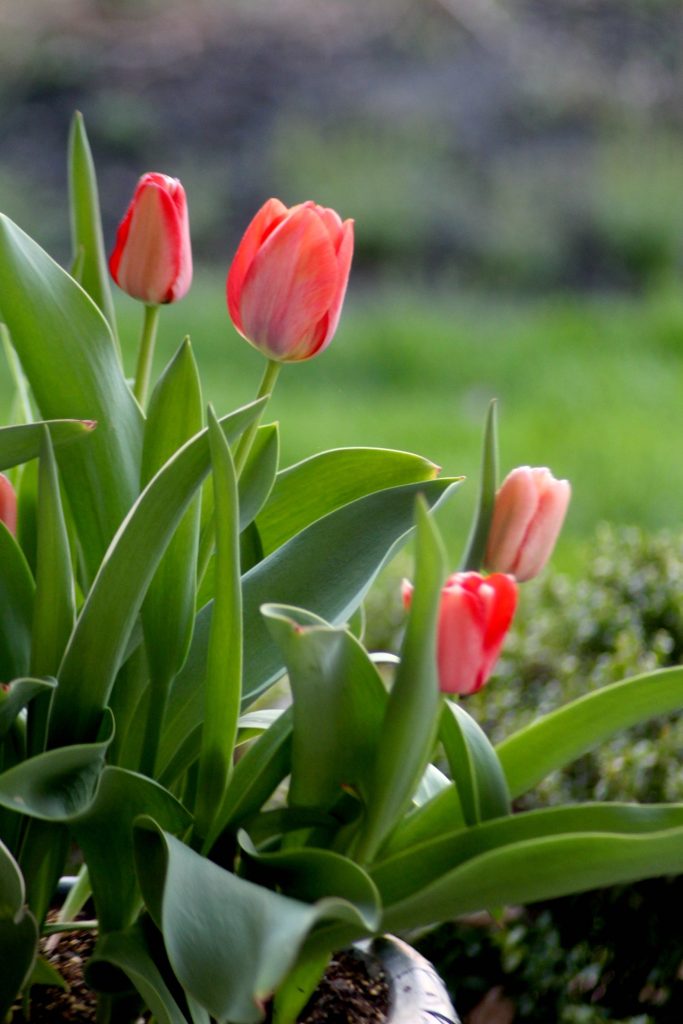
{"x": 474, "y": 617}
{"x": 152, "y": 257}
{"x": 527, "y": 518}
{"x": 8, "y": 504}
{"x": 287, "y": 282}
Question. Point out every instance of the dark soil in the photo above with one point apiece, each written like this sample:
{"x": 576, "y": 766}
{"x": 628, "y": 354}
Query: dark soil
{"x": 352, "y": 991}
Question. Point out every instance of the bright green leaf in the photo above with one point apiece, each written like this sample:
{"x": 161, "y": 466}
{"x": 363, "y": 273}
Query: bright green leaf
{"x": 474, "y": 765}
{"x": 22, "y": 443}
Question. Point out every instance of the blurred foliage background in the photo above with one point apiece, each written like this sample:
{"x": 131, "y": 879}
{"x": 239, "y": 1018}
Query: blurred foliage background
{"x": 514, "y": 173}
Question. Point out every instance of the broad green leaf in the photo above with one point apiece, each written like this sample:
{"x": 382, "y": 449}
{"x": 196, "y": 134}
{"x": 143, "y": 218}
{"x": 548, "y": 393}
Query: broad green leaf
{"x": 22, "y": 443}
{"x": 18, "y": 932}
{"x": 59, "y": 784}
{"x": 338, "y": 708}
{"x": 317, "y": 486}
{"x": 99, "y": 640}
{"x": 68, "y": 354}
{"x": 16, "y": 608}
{"x": 86, "y": 223}
{"x": 475, "y": 550}
{"x": 474, "y": 765}
{"x": 193, "y": 901}
{"x": 539, "y": 869}
{"x": 310, "y": 875}
{"x": 223, "y": 685}
{"x": 104, "y": 831}
{"x": 563, "y": 735}
{"x": 326, "y": 569}
{"x": 19, "y": 694}
{"x": 54, "y": 607}
{"x": 412, "y": 715}
{"x": 133, "y": 952}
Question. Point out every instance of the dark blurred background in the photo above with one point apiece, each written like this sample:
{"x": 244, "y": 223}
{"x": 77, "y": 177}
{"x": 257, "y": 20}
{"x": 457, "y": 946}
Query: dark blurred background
{"x": 531, "y": 144}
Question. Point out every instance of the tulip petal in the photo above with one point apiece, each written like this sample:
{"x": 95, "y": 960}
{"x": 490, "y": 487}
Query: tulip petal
{"x": 148, "y": 253}
{"x": 460, "y": 641}
{"x": 500, "y": 593}
{"x": 290, "y": 285}
{"x": 514, "y": 510}
{"x": 539, "y": 541}
{"x": 266, "y": 220}
{"x": 344, "y": 257}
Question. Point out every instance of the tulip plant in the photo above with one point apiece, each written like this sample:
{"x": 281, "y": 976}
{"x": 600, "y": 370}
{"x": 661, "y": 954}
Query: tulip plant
{"x": 159, "y": 572}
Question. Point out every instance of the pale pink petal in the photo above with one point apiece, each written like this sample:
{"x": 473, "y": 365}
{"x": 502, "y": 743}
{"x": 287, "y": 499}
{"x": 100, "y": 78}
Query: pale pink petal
{"x": 514, "y": 509}
{"x": 539, "y": 541}
{"x": 8, "y": 504}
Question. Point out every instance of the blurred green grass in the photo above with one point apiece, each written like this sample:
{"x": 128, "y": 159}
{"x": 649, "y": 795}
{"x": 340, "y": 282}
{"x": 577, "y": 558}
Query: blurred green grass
{"x": 588, "y": 385}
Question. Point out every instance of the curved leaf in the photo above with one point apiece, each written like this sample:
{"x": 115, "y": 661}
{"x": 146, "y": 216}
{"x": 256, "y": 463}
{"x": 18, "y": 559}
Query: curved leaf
{"x": 317, "y": 486}
{"x": 563, "y": 735}
{"x": 192, "y": 901}
{"x": 68, "y": 354}
{"x": 475, "y": 768}
{"x": 59, "y": 784}
{"x": 473, "y": 558}
{"x": 18, "y": 932}
{"x": 19, "y": 694}
{"x": 21, "y": 443}
{"x": 338, "y": 708}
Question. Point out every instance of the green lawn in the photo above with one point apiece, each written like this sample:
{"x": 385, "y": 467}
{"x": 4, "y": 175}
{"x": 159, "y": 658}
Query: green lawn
{"x": 589, "y": 386}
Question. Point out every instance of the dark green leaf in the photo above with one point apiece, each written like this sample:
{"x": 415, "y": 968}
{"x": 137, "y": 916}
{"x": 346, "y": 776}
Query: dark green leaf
{"x": 473, "y": 558}
{"x": 16, "y": 608}
{"x": 474, "y": 765}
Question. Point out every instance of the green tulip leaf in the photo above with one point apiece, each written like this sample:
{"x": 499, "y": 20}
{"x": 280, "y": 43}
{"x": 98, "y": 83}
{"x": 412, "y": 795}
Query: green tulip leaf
{"x": 223, "y": 685}
{"x": 57, "y": 785}
{"x": 69, "y": 357}
{"x": 98, "y": 642}
{"x": 18, "y": 932}
{"x": 473, "y": 558}
{"x": 20, "y": 693}
{"x": 311, "y": 875}
{"x": 317, "y": 486}
{"x": 258, "y": 476}
{"x": 411, "y": 722}
{"x": 192, "y": 900}
{"x": 474, "y": 766}
{"x": 529, "y": 857}
{"x": 440, "y": 815}
{"x": 86, "y": 224}
{"x": 104, "y": 831}
{"x": 135, "y": 953}
{"x": 22, "y": 443}
{"x": 338, "y": 707}
{"x": 563, "y": 735}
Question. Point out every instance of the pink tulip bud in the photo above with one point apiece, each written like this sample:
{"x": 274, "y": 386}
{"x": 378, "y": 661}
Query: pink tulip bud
{"x": 475, "y": 614}
{"x": 527, "y": 519}
{"x": 152, "y": 257}
{"x": 8, "y": 505}
{"x": 287, "y": 282}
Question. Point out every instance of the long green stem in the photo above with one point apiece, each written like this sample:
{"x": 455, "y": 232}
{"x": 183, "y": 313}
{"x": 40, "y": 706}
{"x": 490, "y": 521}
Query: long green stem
{"x": 270, "y": 375}
{"x": 146, "y": 353}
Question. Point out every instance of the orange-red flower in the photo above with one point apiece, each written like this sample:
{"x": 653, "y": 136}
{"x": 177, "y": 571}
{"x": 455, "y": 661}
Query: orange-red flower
{"x": 152, "y": 257}
{"x": 287, "y": 282}
{"x": 527, "y": 518}
{"x": 8, "y": 504}
{"x": 474, "y": 617}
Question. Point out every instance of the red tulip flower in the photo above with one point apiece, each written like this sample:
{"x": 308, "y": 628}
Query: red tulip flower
{"x": 474, "y": 617}
{"x": 8, "y": 504}
{"x": 287, "y": 282}
{"x": 152, "y": 257}
{"x": 527, "y": 518}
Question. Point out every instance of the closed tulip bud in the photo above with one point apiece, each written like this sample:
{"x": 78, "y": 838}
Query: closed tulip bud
{"x": 8, "y": 504}
{"x": 287, "y": 282}
{"x": 527, "y": 518}
{"x": 152, "y": 257}
{"x": 474, "y": 617}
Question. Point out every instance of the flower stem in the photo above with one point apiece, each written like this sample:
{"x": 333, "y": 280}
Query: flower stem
{"x": 145, "y": 353}
{"x": 270, "y": 375}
